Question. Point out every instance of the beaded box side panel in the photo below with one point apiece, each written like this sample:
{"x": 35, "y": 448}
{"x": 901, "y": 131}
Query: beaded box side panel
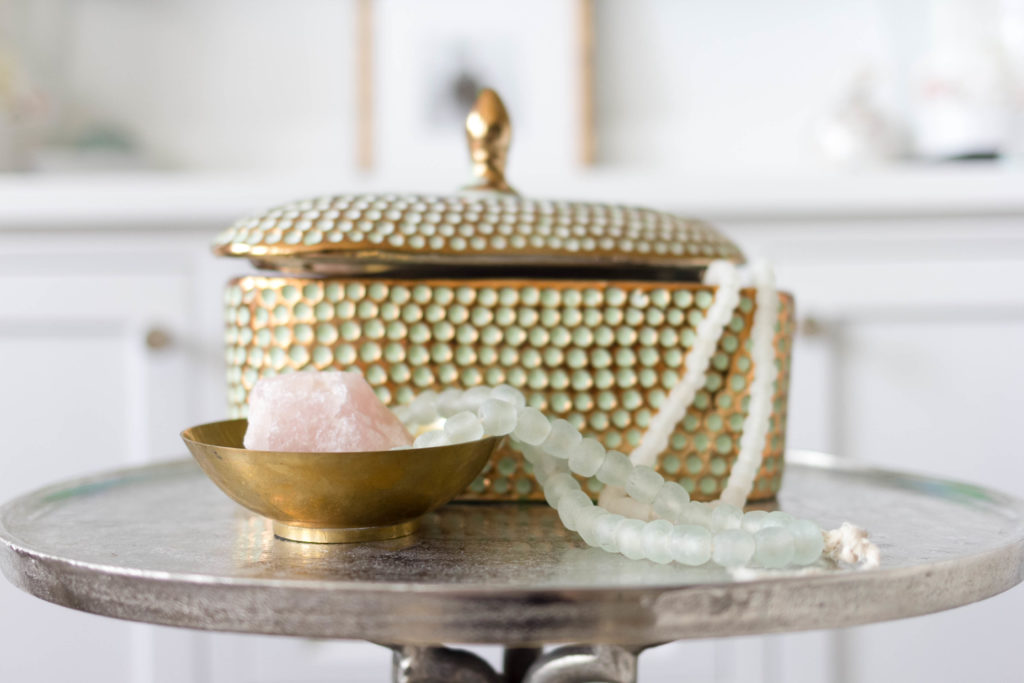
{"x": 601, "y": 355}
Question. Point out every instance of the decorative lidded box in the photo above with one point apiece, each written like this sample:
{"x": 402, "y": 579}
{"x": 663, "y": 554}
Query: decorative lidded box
{"x": 589, "y": 309}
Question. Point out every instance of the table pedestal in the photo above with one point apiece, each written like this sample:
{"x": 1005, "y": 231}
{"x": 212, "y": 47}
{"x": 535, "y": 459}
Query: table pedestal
{"x": 569, "y": 664}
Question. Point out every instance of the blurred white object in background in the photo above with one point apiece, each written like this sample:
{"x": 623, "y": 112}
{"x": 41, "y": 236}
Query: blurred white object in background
{"x": 1012, "y": 32}
{"x": 431, "y": 59}
{"x": 963, "y": 96}
{"x": 20, "y": 105}
{"x": 858, "y": 130}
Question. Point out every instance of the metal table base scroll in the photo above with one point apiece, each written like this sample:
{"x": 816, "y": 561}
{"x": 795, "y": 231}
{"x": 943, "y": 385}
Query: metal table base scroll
{"x": 161, "y": 544}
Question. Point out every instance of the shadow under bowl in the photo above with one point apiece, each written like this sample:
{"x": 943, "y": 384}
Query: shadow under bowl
{"x": 336, "y": 497}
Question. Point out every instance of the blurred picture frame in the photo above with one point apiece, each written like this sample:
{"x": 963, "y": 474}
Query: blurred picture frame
{"x": 421, "y": 66}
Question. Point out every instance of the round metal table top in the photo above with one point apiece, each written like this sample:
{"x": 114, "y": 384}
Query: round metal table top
{"x": 161, "y": 544}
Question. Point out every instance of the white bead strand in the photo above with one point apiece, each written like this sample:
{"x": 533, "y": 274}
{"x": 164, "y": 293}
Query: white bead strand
{"x": 655, "y": 439}
{"x": 755, "y": 426}
{"x": 677, "y": 403}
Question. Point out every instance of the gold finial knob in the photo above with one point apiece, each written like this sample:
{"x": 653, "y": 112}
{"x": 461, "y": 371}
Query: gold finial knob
{"x": 488, "y": 131}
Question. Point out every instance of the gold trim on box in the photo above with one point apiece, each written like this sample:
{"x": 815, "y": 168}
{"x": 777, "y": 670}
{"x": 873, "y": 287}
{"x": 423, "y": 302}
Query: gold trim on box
{"x": 600, "y": 354}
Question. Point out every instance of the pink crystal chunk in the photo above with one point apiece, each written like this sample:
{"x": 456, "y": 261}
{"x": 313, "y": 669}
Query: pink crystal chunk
{"x": 320, "y": 412}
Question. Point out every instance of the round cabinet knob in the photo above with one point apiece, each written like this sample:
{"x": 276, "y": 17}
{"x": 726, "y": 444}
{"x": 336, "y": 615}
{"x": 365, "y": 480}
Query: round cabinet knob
{"x": 811, "y": 327}
{"x": 157, "y": 338}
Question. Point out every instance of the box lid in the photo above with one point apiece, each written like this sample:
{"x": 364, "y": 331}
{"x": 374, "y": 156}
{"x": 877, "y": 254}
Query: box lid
{"x": 485, "y": 226}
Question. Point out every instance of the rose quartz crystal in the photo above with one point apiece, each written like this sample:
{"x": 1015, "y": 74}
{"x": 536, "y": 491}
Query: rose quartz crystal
{"x": 320, "y": 412}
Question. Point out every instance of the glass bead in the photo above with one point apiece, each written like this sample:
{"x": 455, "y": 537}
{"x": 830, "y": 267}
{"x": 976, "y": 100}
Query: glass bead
{"x": 604, "y": 532}
{"x": 531, "y": 426}
{"x": 670, "y": 501}
{"x": 733, "y": 548}
{"x": 448, "y": 402}
{"x": 753, "y": 521}
{"x": 774, "y": 547}
{"x": 423, "y": 409}
{"x": 586, "y": 523}
{"x": 401, "y": 412}
{"x": 726, "y": 516}
{"x": 615, "y": 469}
{"x": 808, "y": 542}
{"x": 543, "y": 468}
{"x": 430, "y": 439}
{"x": 462, "y": 427}
{"x": 497, "y": 417}
{"x": 643, "y": 484}
{"x": 587, "y": 457}
{"x": 562, "y": 439}
{"x": 629, "y": 537}
{"x": 556, "y": 486}
{"x": 690, "y": 544}
{"x": 777, "y": 518}
{"x": 569, "y": 505}
{"x": 696, "y": 513}
{"x": 473, "y": 398}
{"x": 509, "y": 394}
{"x": 655, "y": 536}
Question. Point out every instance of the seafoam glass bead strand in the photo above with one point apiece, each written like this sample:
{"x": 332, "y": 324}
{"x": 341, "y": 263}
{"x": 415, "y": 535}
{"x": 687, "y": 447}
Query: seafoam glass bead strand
{"x": 685, "y": 531}
{"x": 639, "y": 513}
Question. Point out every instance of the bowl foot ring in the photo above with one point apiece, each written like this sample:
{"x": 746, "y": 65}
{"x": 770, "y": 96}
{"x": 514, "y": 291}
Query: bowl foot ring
{"x": 303, "y": 534}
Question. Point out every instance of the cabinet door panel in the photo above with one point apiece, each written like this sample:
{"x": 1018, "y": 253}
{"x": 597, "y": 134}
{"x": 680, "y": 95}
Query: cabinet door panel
{"x": 82, "y": 392}
{"x": 942, "y": 397}
{"x": 937, "y": 396}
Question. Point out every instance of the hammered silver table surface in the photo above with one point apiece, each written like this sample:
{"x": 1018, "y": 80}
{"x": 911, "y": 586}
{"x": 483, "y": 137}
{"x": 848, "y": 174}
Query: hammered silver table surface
{"x": 161, "y": 544}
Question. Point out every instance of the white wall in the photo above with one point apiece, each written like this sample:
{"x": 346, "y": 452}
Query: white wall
{"x": 730, "y": 84}
{"x": 231, "y": 84}
{"x": 271, "y": 85}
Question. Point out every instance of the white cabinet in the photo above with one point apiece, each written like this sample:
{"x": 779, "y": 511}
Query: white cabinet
{"x": 82, "y": 390}
{"x": 913, "y": 361}
{"x": 933, "y": 394}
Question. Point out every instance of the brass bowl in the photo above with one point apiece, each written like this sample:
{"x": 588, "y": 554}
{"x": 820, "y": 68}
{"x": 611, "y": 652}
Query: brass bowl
{"x": 336, "y": 497}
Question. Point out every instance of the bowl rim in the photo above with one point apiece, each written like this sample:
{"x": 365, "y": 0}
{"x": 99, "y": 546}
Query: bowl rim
{"x": 188, "y": 435}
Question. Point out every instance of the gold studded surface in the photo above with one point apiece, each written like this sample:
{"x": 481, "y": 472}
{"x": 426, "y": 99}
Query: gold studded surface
{"x": 601, "y": 355}
{"x": 471, "y": 228}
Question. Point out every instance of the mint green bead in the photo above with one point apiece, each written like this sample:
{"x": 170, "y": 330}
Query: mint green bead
{"x": 557, "y": 485}
{"x": 774, "y": 547}
{"x": 630, "y": 539}
{"x": 753, "y": 521}
{"x": 696, "y": 513}
{"x": 726, "y": 517}
{"x": 498, "y": 417}
{"x": 509, "y": 394}
{"x": 733, "y": 548}
{"x": 587, "y": 457}
{"x": 643, "y": 484}
{"x": 690, "y": 544}
{"x": 670, "y": 501}
{"x": 463, "y": 426}
{"x": 615, "y": 469}
{"x": 777, "y": 518}
{"x": 655, "y": 537}
{"x": 605, "y": 532}
{"x": 808, "y": 541}
{"x": 532, "y": 427}
{"x": 562, "y": 439}
{"x": 570, "y": 505}
{"x": 586, "y": 523}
